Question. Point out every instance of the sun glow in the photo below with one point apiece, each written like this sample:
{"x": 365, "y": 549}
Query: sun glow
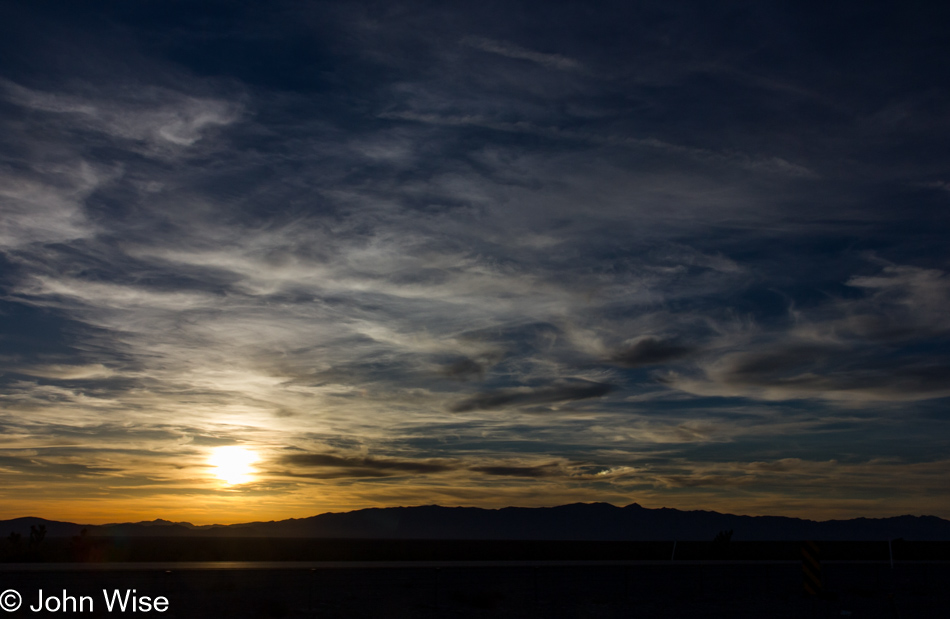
{"x": 233, "y": 465}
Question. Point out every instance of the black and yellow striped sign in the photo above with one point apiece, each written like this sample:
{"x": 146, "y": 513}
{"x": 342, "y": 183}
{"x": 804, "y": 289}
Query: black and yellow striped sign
{"x": 811, "y": 568}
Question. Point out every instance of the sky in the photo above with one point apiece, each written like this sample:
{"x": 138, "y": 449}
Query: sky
{"x": 688, "y": 255}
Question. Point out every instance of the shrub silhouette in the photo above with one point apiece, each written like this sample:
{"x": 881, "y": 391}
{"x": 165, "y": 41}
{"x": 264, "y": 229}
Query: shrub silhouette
{"x": 723, "y": 537}
{"x": 37, "y": 534}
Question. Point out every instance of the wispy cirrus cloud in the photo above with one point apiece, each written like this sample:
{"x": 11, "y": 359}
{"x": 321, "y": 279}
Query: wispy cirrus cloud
{"x": 160, "y": 118}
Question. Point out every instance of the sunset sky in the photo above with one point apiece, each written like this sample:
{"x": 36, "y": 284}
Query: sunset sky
{"x": 686, "y": 254}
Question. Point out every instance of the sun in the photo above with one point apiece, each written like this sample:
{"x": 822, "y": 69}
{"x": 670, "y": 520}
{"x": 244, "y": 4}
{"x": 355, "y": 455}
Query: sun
{"x": 233, "y": 464}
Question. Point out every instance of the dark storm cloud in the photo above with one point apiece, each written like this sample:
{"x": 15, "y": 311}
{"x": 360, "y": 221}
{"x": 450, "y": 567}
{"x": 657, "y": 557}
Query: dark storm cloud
{"x": 525, "y": 396}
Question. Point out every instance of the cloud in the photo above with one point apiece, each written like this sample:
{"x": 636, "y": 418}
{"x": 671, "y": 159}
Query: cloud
{"x": 519, "y": 471}
{"x": 826, "y": 354}
{"x": 358, "y": 466}
{"x": 510, "y": 50}
{"x": 67, "y": 372}
{"x": 565, "y": 391}
{"x": 776, "y": 166}
{"x": 45, "y": 205}
{"x": 160, "y": 117}
{"x": 800, "y": 473}
{"x": 913, "y": 382}
{"x": 108, "y": 295}
{"x": 940, "y": 185}
{"x": 463, "y": 369}
{"x": 34, "y": 467}
{"x": 921, "y": 296}
{"x": 649, "y": 350}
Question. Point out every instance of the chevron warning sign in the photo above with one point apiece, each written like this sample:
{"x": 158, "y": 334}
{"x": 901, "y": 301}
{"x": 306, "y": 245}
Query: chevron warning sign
{"x": 811, "y": 568}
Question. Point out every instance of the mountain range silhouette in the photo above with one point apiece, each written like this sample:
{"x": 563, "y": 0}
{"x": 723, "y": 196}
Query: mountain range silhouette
{"x": 577, "y": 521}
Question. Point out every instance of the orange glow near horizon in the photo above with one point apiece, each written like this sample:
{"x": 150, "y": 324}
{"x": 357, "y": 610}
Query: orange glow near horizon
{"x": 231, "y": 504}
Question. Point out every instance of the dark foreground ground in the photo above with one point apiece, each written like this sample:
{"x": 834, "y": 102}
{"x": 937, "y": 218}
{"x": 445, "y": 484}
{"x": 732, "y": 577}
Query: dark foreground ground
{"x": 383, "y": 590}
{"x": 94, "y": 549}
